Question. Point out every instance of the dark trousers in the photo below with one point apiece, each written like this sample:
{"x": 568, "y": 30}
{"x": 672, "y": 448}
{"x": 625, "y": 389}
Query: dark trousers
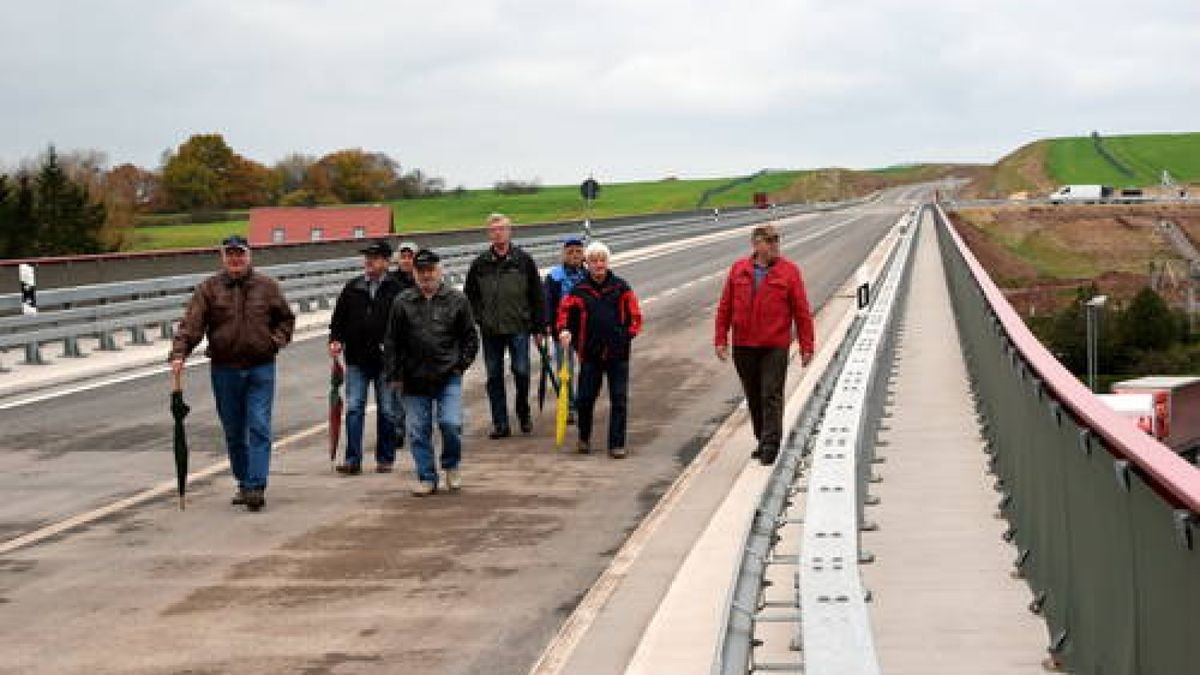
{"x": 763, "y": 371}
{"x": 494, "y": 347}
{"x": 591, "y": 375}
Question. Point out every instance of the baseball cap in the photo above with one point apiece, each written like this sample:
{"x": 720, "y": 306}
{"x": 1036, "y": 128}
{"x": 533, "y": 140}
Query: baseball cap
{"x": 426, "y": 258}
{"x": 235, "y": 241}
{"x": 407, "y": 246}
{"x": 767, "y": 232}
{"x": 572, "y": 240}
{"x": 380, "y": 248}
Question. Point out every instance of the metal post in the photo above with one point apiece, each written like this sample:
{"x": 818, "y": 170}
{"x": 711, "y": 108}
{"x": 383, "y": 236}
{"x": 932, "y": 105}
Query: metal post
{"x": 1093, "y": 337}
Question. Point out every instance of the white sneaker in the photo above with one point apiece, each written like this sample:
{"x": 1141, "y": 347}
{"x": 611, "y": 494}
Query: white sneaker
{"x": 424, "y": 488}
{"x": 454, "y": 479}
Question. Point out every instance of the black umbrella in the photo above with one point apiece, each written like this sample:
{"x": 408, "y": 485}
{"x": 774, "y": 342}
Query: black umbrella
{"x": 179, "y": 410}
{"x": 547, "y": 373}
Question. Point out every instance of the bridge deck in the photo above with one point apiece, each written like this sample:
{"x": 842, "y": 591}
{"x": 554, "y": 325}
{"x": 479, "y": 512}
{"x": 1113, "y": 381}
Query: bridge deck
{"x": 943, "y": 598}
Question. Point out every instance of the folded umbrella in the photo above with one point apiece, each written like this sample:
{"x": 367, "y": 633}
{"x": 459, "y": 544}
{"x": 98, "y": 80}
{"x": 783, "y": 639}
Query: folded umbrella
{"x": 564, "y": 403}
{"x": 547, "y": 374}
{"x": 179, "y": 410}
{"x": 337, "y": 375}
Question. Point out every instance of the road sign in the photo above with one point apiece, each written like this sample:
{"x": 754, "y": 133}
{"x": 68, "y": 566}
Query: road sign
{"x": 590, "y": 189}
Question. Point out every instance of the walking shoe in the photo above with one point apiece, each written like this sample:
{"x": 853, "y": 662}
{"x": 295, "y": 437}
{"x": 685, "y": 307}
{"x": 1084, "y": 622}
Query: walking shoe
{"x": 526, "y": 425}
{"x": 583, "y": 447}
{"x": 255, "y": 499}
{"x": 239, "y": 498}
{"x": 500, "y": 431}
{"x": 383, "y": 468}
{"x": 757, "y": 452}
{"x": 348, "y": 469}
{"x": 424, "y": 488}
{"x": 616, "y": 453}
{"x": 767, "y": 455}
{"x": 454, "y": 479}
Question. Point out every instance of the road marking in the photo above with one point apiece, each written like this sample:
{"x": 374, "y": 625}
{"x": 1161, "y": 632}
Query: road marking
{"x": 162, "y": 489}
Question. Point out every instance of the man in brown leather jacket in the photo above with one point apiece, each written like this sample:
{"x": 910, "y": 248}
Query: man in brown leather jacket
{"x": 247, "y": 321}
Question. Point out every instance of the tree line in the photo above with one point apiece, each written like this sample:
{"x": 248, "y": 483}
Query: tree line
{"x": 1143, "y": 337}
{"x": 71, "y": 203}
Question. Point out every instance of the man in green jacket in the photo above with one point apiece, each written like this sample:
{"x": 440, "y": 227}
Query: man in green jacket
{"x": 505, "y": 291}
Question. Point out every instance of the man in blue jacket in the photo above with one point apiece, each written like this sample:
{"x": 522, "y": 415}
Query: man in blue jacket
{"x": 558, "y": 284}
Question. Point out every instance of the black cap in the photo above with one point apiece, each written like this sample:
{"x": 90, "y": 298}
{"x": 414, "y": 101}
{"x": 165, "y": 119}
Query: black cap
{"x": 235, "y": 241}
{"x": 380, "y": 248}
{"x": 572, "y": 240}
{"x": 426, "y": 258}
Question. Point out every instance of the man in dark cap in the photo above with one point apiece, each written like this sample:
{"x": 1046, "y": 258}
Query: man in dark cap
{"x": 247, "y": 321}
{"x": 558, "y": 284}
{"x": 430, "y": 343}
{"x": 356, "y": 331}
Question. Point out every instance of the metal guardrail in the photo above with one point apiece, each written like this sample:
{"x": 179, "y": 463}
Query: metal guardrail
{"x": 1103, "y": 516}
{"x": 156, "y": 303}
{"x": 834, "y": 441}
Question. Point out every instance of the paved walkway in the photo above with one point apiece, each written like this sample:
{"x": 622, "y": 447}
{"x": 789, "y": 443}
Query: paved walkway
{"x": 943, "y": 598}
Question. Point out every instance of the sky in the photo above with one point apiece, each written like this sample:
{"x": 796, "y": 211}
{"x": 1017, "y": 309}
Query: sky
{"x": 554, "y": 90}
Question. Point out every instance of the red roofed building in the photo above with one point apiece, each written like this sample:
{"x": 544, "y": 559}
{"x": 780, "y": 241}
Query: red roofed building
{"x": 289, "y": 225}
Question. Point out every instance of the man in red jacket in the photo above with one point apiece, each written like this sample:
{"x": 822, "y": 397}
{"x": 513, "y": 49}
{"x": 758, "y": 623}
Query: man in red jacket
{"x": 762, "y": 300}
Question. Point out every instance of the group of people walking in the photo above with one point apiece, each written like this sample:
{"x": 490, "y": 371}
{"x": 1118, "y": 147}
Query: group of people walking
{"x": 411, "y": 337}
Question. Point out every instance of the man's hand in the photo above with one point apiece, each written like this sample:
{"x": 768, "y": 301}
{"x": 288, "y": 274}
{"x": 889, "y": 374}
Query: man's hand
{"x": 723, "y": 352}
{"x": 805, "y": 358}
{"x": 335, "y": 348}
{"x": 564, "y": 339}
{"x": 539, "y": 339}
{"x": 176, "y": 367}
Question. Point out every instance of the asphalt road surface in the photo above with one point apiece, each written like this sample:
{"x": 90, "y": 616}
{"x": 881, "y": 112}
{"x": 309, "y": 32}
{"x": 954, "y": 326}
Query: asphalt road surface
{"x": 352, "y": 574}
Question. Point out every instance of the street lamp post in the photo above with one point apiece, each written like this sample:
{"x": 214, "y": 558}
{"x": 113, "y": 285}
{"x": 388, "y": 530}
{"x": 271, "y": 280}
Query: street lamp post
{"x": 1093, "y": 337}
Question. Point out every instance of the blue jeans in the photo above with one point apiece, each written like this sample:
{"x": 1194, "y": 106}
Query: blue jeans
{"x": 244, "y": 397}
{"x": 358, "y": 379}
{"x": 591, "y": 375}
{"x": 494, "y": 347}
{"x": 419, "y": 412}
{"x": 569, "y": 354}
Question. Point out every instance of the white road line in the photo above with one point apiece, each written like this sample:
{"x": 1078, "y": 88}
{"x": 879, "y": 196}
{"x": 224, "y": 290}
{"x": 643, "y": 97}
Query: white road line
{"x": 162, "y": 489}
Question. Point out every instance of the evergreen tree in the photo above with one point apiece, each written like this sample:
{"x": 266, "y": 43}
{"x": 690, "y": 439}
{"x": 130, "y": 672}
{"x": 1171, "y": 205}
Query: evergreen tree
{"x": 55, "y": 216}
{"x": 1148, "y": 323}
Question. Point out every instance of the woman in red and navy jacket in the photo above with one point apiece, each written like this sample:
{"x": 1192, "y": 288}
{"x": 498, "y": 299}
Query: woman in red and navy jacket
{"x": 601, "y": 317}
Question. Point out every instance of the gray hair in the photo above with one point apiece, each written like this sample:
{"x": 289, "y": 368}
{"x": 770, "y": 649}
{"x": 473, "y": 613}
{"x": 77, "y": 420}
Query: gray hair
{"x": 598, "y": 249}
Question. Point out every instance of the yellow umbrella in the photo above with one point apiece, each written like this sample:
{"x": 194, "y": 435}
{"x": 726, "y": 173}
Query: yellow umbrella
{"x": 564, "y": 403}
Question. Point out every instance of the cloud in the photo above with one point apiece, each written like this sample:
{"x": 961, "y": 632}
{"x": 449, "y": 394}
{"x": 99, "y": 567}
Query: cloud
{"x": 490, "y": 89}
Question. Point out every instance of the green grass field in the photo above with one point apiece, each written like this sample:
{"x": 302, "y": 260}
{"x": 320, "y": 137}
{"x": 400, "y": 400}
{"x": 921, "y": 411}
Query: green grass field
{"x": 548, "y": 204}
{"x": 1076, "y": 160}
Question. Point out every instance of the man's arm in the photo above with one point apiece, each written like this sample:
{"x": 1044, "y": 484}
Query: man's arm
{"x": 393, "y": 344}
{"x": 192, "y": 327}
{"x": 468, "y": 338}
{"x": 283, "y": 320}
{"x": 337, "y": 324}
{"x": 802, "y": 318}
{"x": 537, "y": 300}
{"x": 724, "y": 318}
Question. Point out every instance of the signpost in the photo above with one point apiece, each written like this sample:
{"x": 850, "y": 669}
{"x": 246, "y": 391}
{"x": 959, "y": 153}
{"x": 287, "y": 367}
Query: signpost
{"x": 589, "y": 190}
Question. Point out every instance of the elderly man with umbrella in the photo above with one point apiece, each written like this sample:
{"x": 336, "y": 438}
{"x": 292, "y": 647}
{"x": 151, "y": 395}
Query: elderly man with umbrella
{"x": 356, "y": 332}
{"x": 247, "y": 320}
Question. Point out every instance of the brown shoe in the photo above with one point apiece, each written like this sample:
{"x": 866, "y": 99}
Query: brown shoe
{"x": 583, "y": 447}
{"x": 348, "y": 469}
{"x": 383, "y": 468}
{"x": 617, "y": 453}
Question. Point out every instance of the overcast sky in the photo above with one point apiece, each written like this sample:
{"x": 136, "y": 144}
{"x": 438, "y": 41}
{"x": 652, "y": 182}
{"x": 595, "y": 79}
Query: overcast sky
{"x": 625, "y": 89}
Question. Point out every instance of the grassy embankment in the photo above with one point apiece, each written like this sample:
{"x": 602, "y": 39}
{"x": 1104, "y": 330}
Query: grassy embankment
{"x": 1040, "y": 167}
{"x": 553, "y": 203}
